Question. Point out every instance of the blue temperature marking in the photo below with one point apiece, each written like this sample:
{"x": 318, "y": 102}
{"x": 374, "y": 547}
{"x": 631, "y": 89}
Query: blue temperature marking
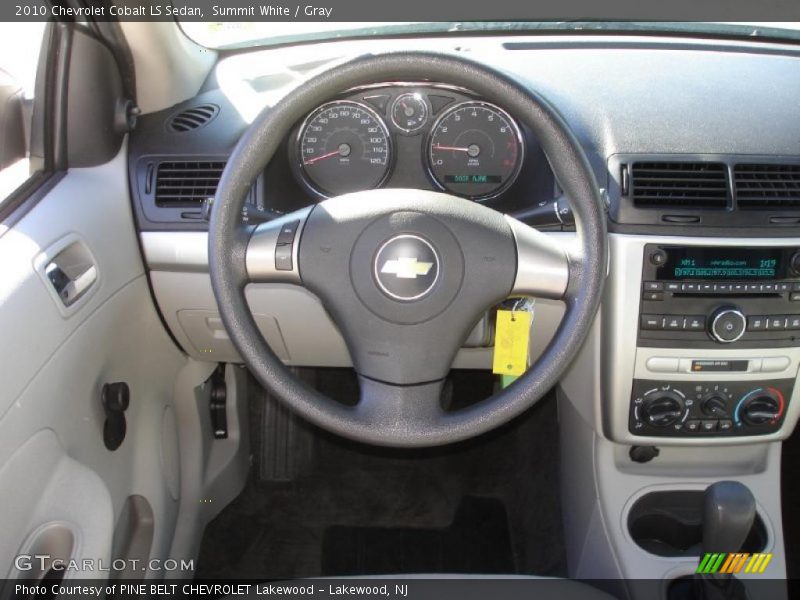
{"x": 745, "y": 397}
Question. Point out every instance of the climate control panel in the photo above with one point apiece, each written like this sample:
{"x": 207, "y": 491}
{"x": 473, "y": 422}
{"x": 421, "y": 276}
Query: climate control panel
{"x": 698, "y": 409}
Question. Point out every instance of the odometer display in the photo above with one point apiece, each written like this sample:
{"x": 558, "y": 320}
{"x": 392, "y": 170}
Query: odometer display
{"x": 475, "y": 150}
{"x": 344, "y": 147}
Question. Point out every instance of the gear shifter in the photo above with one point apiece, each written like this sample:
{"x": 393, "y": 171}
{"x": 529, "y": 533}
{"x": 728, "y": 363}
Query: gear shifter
{"x": 729, "y": 510}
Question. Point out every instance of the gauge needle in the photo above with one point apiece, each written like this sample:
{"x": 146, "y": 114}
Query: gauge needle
{"x": 311, "y": 161}
{"x": 454, "y": 148}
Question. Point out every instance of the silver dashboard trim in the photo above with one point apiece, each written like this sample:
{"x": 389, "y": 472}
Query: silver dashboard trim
{"x": 622, "y": 360}
{"x": 542, "y": 262}
{"x": 181, "y": 251}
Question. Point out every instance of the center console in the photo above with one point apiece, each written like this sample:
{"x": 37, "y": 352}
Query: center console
{"x": 712, "y": 321}
{"x": 693, "y": 362}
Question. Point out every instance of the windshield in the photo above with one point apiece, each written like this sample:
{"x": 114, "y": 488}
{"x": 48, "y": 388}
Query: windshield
{"x": 238, "y": 35}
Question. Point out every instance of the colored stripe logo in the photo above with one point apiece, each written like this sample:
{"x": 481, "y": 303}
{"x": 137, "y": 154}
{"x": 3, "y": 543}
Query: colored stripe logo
{"x": 734, "y": 562}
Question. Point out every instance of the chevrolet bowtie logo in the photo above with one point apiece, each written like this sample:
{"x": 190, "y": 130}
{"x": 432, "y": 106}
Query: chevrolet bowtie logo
{"x": 406, "y": 268}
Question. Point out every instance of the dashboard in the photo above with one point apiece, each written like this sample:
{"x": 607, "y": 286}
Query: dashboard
{"x": 421, "y": 135}
{"x": 694, "y": 143}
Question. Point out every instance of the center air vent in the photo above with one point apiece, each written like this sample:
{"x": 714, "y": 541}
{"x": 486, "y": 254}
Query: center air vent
{"x": 767, "y": 186}
{"x": 187, "y": 183}
{"x": 192, "y": 118}
{"x": 679, "y": 184}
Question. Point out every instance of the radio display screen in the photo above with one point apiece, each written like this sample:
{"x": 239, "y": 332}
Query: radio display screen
{"x": 723, "y": 263}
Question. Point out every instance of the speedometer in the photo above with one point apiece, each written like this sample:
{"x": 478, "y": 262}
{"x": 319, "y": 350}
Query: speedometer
{"x": 344, "y": 147}
{"x": 475, "y": 150}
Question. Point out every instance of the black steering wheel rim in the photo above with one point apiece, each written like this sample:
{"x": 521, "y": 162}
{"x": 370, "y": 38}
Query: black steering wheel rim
{"x": 405, "y": 424}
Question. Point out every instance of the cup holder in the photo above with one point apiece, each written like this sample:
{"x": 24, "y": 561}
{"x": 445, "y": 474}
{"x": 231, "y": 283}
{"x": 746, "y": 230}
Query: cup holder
{"x": 671, "y": 524}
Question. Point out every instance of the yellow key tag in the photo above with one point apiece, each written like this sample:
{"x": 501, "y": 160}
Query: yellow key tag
{"x": 512, "y": 335}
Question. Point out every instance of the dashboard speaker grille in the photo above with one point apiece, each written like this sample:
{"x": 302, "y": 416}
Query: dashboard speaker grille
{"x": 767, "y": 186}
{"x": 679, "y": 184}
{"x": 192, "y": 118}
{"x": 187, "y": 183}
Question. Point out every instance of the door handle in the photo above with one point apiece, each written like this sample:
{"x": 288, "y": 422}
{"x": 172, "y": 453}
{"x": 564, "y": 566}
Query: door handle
{"x": 69, "y": 272}
{"x": 70, "y": 289}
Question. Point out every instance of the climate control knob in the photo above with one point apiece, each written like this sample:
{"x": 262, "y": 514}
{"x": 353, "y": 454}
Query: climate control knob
{"x": 715, "y": 405}
{"x": 662, "y": 408}
{"x": 760, "y": 407}
{"x": 727, "y": 325}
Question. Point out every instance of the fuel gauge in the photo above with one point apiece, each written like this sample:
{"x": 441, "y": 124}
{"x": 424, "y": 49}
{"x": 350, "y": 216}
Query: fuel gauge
{"x": 409, "y": 112}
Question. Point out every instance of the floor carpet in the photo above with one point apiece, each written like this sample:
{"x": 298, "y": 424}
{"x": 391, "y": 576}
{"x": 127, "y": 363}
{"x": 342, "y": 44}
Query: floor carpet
{"x": 489, "y": 505}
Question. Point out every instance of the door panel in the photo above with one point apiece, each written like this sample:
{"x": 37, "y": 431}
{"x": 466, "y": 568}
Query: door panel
{"x": 54, "y": 465}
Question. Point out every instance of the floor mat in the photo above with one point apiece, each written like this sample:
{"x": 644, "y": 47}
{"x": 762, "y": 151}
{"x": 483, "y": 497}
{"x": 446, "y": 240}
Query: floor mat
{"x": 503, "y": 484}
{"x": 477, "y": 541}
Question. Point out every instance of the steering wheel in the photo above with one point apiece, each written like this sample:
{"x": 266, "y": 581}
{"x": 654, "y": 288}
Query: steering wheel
{"x": 403, "y": 332}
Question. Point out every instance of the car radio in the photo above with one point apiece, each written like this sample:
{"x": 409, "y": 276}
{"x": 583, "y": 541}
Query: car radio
{"x": 700, "y": 298}
{"x": 705, "y": 297}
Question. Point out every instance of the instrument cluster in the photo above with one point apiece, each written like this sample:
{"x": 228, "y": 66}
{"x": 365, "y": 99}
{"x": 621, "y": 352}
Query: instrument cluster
{"x": 408, "y": 135}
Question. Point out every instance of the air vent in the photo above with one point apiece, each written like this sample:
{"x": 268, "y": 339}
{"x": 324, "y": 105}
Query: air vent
{"x": 187, "y": 183}
{"x": 679, "y": 184}
{"x": 192, "y": 118}
{"x": 767, "y": 186}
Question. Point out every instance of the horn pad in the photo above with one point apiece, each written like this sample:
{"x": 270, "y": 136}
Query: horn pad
{"x": 407, "y": 267}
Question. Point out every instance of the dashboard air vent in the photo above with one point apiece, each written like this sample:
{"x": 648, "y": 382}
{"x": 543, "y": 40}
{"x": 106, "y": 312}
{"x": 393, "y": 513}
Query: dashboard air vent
{"x": 192, "y": 118}
{"x": 767, "y": 186}
{"x": 187, "y": 183}
{"x": 690, "y": 185}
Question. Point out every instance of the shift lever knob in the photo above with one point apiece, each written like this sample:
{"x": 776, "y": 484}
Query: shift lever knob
{"x": 728, "y": 513}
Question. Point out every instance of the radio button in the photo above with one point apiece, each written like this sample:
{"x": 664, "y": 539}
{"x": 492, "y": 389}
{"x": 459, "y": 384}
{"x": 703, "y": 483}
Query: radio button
{"x": 793, "y": 322}
{"x": 753, "y": 287}
{"x": 775, "y": 364}
{"x": 723, "y": 288}
{"x": 659, "y": 364}
{"x": 673, "y": 287}
{"x": 783, "y": 287}
{"x": 654, "y": 296}
{"x": 652, "y": 322}
{"x": 695, "y": 323}
{"x": 727, "y": 325}
{"x": 689, "y": 287}
{"x": 653, "y": 286}
{"x": 796, "y": 286}
{"x": 769, "y": 287}
{"x": 673, "y": 322}
{"x": 776, "y": 322}
{"x": 658, "y": 258}
{"x": 758, "y": 323}
{"x": 706, "y": 287}
{"x": 738, "y": 288}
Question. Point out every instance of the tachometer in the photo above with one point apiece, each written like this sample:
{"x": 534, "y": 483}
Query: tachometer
{"x": 475, "y": 150}
{"x": 344, "y": 147}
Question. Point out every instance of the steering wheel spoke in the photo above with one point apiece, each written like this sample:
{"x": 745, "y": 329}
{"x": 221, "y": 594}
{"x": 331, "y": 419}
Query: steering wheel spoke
{"x": 542, "y": 263}
{"x": 274, "y": 247}
{"x": 397, "y": 410}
